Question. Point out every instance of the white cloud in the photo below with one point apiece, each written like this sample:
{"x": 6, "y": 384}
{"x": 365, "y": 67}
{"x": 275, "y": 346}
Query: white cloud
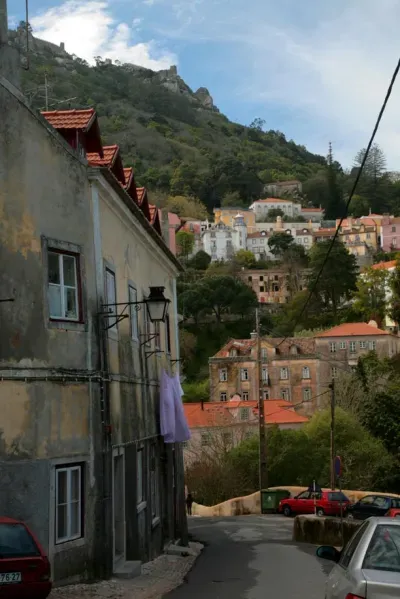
{"x": 89, "y": 29}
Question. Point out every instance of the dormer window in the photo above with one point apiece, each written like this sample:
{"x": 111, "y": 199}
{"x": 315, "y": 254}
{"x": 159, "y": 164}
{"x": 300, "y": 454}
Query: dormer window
{"x": 233, "y": 353}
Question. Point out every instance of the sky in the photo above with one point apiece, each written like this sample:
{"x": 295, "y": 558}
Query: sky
{"x": 316, "y": 71}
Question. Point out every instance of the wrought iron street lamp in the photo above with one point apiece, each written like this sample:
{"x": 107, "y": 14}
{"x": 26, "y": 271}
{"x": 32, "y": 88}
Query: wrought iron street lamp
{"x": 157, "y": 304}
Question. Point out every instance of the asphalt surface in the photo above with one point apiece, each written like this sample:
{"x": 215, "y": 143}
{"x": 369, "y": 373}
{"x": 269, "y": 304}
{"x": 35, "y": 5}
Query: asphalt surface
{"x": 252, "y": 557}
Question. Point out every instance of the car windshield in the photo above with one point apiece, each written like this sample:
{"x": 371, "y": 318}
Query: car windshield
{"x": 15, "y": 541}
{"x": 383, "y": 552}
{"x": 337, "y": 496}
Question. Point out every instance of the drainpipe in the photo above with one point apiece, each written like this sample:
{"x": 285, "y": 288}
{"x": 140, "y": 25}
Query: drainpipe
{"x": 180, "y": 494}
{"x": 105, "y": 545}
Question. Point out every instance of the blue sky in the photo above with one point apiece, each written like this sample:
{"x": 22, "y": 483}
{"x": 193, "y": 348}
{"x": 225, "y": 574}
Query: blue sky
{"x": 314, "y": 71}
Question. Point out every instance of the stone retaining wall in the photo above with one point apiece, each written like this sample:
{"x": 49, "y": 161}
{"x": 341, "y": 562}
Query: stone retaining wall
{"x": 323, "y": 530}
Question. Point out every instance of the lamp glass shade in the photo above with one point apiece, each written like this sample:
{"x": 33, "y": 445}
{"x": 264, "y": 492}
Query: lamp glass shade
{"x": 157, "y": 305}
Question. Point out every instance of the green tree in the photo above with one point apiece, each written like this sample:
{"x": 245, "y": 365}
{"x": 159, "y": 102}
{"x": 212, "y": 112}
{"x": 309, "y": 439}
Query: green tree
{"x": 335, "y": 207}
{"x": 359, "y": 206}
{"x": 195, "y": 392}
{"x": 394, "y": 282}
{"x": 279, "y": 243}
{"x": 273, "y": 213}
{"x": 245, "y": 259}
{"x": 375, "y": 165}
{"x": 232, "y": 199}
{"x": 370, "y": 296}
{"x": 185, "y": 243}
{"x": 200, "y": 261}
{"x": 185, "y": 206}
{"x": 227, "y": 295}
{"x": 332, "y": 277}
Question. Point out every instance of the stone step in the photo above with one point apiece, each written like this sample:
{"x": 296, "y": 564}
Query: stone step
{"x": 127, "y": 569}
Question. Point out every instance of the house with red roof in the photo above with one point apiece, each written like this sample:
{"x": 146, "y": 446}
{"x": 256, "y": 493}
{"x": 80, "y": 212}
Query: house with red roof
{"x": 220, "y": 426}
{"x": 92, "y": 321}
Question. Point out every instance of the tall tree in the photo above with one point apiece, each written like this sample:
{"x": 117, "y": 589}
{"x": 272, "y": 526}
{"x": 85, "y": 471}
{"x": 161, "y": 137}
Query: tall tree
{"x": 338, "y": 277}
{"x": 375, "y": 165}
{"x": 370, "y": 297}
{"x": 279, "y": 243}
{"x": 185, "y": 242}
{"x": 335, "y": 207}
{"x": 394, "y": 282}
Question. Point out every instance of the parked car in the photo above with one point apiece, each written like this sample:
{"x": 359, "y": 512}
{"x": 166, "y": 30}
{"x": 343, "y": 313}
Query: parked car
{"x": 24, "y": 567}
{"x": 369, "y": 565}
{"x": 393, "y": 513}
{"x": 372, "y": 505}
{"x": 327, "y": 503}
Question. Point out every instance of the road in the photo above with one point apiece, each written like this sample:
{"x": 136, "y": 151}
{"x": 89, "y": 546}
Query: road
{"x": 252, "y": 557}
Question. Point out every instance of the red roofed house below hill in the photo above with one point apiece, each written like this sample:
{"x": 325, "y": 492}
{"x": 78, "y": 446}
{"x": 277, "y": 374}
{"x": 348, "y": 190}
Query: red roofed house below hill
{"x": 219, "y": 426}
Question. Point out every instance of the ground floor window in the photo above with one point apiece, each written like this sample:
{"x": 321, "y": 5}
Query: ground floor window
{"x": 69, "y": 508}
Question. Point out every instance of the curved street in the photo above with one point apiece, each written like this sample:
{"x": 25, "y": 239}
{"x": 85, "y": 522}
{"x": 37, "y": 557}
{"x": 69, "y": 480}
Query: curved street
{"x": 252, "y": 557}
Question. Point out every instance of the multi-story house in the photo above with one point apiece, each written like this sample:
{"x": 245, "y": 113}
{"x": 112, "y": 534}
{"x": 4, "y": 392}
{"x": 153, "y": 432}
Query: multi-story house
{"x": 217, "y": 427}
{"x": 390, "y": 233}
{"x": 227, "y": 216}
{"x": 297, "y": 370}
{"x": 257, "y": 243}
{"x": 262, "y": 207}
{"x": 270, "y": 285}
{"x": 289, "y": 371}
{"x": 324, "y": 234}
{"x": 81, "y": 458}
{"x": 339, "y": 348}
{"x": 222, "y": 242}
{"x": 280, "y": 188}
{"x": 360, "y": 237}
{"x": 304, "y": 237}
{"x": 315, "y": 215}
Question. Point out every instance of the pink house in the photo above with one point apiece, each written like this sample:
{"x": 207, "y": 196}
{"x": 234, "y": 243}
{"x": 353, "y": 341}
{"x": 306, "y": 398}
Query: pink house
{"x": 390, "y": 234}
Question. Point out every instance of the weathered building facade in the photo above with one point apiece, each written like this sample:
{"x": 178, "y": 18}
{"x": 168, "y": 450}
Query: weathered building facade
{"x": 81, "y": 456}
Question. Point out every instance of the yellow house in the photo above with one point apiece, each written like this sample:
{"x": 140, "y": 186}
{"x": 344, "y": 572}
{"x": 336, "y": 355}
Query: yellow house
{"x": 361, "y": 237}
{"x": 227, "y": 215}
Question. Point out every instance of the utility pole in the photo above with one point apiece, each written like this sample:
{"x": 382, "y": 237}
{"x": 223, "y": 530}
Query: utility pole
{"x": 332, "y": 388}
{"x": 263, "y": 475}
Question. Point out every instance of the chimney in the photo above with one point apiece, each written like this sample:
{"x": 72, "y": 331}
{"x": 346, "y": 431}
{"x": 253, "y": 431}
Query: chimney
{"x": 253, "y": 335}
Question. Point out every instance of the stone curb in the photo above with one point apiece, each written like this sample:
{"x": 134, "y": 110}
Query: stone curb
{"x": 158, "y": 578}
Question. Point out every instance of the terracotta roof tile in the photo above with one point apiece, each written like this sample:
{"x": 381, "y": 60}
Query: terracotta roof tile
{"x": 110, "y": 153}
{"x": 141, "y": 193}
{"x": 221, "y": 413}
{"x": 274, "y": 201}
{"x": 384, "y": 265}
{"x": 352, "y": 329}
{"x": 70, "y": 119}
{"x": 312, "y": 210}
{"x": 128, "y": 172}
{"x": 285, "y": 345}
{"x": 257, "y": 234}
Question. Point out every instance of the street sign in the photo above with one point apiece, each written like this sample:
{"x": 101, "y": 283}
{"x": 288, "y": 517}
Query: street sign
{"x": 338, "y": 466}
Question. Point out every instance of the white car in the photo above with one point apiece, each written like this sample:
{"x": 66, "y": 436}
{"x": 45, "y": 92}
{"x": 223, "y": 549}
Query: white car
{"x": 369, "y": 566}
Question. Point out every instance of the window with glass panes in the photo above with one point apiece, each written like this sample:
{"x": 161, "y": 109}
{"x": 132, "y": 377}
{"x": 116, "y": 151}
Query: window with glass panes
{"x": 63, "y": 291}
{"x": 68, "y": 503}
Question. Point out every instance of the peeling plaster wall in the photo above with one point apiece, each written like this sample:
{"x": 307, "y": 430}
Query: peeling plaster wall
{"x": 44, "y": 195}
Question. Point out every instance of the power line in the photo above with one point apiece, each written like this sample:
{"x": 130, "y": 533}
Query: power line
{"x": 360, "y": 170}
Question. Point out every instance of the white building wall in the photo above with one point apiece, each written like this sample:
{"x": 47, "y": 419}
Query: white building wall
{"x": 221, "y": 243}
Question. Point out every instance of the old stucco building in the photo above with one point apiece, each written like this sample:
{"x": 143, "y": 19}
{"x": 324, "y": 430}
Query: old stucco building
{"x": 298, "y": 370}
{"x": 81, "y": 456}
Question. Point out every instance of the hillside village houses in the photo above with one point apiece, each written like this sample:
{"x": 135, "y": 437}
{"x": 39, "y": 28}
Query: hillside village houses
{"x": 297, "y": 370}
{"x": 218, "y": 426}
{"x": 91, "y": 325}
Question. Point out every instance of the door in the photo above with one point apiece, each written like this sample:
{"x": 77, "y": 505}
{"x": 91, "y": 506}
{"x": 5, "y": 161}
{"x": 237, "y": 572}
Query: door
{"x": 119, "y": 505}
{"x": 364, "y": 508}
{"x": 304, "y": 503}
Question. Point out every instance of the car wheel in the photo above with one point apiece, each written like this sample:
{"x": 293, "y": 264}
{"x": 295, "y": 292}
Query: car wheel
{"x": 287, "y": 511}
{"x": 320, "y": 512}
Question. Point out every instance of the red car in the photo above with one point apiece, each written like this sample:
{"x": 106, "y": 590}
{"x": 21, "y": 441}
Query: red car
{"x": 327, "y": 503}
{"x": 24, "y": 567}
{"x": 393, "y": 513}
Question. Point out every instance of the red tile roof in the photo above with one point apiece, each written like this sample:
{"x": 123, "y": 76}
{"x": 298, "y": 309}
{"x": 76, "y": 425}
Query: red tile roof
{"x": 70, "y": 119}
{"x": 352, "y": 329}
{"x": 324, "y": 232}
{"x": 242, "y": 345}
{"x": 258, "y": 234}
{"x": 312, "y": 210}
{"x": 305, "y": 345}
{"x": 141, "y": 191}
{"x": 110, "y": 155}
{"x": 222, "y": 413}
{"x": 128, "y": 172}
{"x": 385, "y": 265}
{"x": 274, "y": 201}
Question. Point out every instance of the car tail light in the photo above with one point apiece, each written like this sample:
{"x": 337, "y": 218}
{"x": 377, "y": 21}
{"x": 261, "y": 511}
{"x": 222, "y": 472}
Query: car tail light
{"x": 351, "y": 596}
{"x": 46, "y": 574}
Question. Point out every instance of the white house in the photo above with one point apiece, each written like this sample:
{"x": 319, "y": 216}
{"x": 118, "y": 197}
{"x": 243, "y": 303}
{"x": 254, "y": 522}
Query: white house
{"x": 222, "y": 242}
{"x": 262, "y": 207}
{"x": 257, "y": 243}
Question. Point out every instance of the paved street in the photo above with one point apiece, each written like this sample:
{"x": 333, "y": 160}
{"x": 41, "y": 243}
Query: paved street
{"x": 252, "y": 557}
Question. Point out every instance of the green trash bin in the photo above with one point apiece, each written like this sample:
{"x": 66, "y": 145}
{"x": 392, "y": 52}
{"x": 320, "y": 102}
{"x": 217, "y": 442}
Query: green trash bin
{"x": 270, "y": 500}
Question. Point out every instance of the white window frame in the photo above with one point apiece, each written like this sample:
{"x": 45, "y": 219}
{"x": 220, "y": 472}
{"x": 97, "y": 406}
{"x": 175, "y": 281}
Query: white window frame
{"x": 133, "y": 312}
{"x": 352, "y": 347}
{"x": 244, "y": 374}
{"x": 264, "y": 353}
{"x": 69, "y": 536}
{"x": 332, "y": 347}
{"x": 140, "y": 487}
{"x": 223, "y": 396}
{"x": 372, "y": 345}
{"x": 363, "y": 345}
{"x": 342, "y": 345}
{"x": 245, "y": 396}
{"x": 284, "y": 373}
{"x": 285, "y": 394}
{"x": 111, "y": 299}
{"x": 264, "y": 374}
{"x": 223, "y": 375}
{"x": 306, "y": 394}
{"x": 333, "y": 372}
{"x": 60, "y": 255}
{"x": 306, "y": 372}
